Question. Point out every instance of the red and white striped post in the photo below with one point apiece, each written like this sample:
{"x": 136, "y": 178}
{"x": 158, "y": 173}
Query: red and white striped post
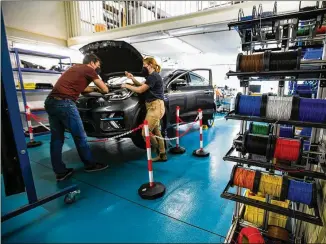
{"x": 31, "y": 142}
{"x": 151, "y": 190}
{"x": 177, "y": 149}
{"x": 200, "y": 152}
{"x": 149, "y": 155}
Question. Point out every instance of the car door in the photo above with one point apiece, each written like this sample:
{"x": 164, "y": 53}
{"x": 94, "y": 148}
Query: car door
{"x": 201, "y": 93}
{"x": 176, "y": 95}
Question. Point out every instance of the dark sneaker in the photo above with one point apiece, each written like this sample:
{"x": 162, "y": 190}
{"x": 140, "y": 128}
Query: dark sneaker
{"x": 61, "y": 177}
{"x": 96, "y": 167}
{"x": 161, "y": 158}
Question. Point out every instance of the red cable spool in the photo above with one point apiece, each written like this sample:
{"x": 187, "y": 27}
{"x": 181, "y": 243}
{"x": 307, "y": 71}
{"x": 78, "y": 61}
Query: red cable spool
{"x": 321, "y": 30}
{"x": 250, "y": 235}
{"x": 287, "y": 149}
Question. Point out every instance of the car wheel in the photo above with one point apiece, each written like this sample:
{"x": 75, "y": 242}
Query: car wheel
{"x": 209, "y": 121}
{"x": 138, "y": 140}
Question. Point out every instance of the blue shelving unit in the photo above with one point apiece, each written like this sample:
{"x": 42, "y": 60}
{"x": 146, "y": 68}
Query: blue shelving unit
{"x": 22, "y": 158}
{"x": 21, "y": 70}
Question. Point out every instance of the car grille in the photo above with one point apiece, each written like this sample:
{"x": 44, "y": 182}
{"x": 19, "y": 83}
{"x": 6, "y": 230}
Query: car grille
{"x": 112, "y": 121}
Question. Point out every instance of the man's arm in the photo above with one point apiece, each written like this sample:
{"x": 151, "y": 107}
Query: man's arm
{"x": 90, "y": 89}
{"x": 101, "y": 86}
{"x": 138, "y": 89}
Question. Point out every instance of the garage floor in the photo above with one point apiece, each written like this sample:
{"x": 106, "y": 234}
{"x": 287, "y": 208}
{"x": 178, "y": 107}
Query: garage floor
{"x": 109, "y": 208}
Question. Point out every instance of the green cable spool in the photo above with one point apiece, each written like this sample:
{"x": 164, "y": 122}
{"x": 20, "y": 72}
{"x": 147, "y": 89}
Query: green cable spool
{"x": 259, "y": 129}
{"x": 303, "y": 31}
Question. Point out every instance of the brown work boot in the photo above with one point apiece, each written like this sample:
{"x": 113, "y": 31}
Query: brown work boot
{"x": 162, "y": 157}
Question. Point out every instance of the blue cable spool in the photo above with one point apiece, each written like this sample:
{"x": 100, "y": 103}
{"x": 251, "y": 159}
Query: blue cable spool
{"x": 302, "y": 192}
{"x": 287, "y": 131}
{"x": 312, "y": 110}
{"x": 250, "y": 105}
{"x": 306, "y": 131}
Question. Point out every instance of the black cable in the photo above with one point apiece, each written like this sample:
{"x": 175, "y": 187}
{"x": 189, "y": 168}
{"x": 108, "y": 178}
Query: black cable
{"x": 284, "y": 61}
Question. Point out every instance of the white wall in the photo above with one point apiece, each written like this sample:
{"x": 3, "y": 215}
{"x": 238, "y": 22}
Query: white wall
{"x": 39, "y": 17}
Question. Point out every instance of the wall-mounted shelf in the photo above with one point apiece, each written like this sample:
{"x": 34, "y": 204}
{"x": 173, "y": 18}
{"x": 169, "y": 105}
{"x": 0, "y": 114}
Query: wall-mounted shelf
{"x": 20, "y": 70}
{"x": 37, "y": 71}
{"x": 38, "y": 54}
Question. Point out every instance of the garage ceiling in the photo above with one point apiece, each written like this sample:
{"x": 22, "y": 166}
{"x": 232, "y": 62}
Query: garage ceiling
{"x": 216, "y": 39}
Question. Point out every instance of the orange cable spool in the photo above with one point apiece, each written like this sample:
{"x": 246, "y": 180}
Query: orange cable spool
{"x": 248, "y": 179}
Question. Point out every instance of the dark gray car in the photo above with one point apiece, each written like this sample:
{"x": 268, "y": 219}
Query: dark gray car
{"x": 121, "y": 110}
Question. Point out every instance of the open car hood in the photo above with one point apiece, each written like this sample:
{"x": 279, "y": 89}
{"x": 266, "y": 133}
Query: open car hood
{"x": 116, "y": 56}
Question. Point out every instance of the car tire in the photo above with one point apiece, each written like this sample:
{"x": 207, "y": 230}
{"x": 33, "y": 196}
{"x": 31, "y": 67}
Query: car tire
{"x": 209, "y": 120}
{"x": 138, "y": 140}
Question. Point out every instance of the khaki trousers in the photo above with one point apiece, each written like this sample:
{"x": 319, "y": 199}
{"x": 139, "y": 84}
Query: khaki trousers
{"x": 155, "y": 112}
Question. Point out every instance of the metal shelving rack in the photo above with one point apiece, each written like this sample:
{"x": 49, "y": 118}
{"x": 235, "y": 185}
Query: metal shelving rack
{"x": 21, "y": 155}
{"x": 245, "y": 78}
{"x": 20, "y": 70}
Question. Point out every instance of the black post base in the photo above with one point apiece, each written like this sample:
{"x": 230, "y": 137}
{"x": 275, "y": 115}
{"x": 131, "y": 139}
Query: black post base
{"x": 177, "y": 150}
{"x": 151, "y": 193}
{"x": 34, "y": 144}
{"x": 200, "y": 153}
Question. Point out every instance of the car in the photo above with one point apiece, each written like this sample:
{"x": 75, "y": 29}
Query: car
{"x": 119, "y": 111}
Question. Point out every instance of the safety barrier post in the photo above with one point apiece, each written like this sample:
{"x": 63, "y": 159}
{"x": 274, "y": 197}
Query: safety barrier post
{"x": 177, "y": 149}
{"x": 200, "y": 152}
{"x": 151, "y": 190}
{"x": 31, "y": 142}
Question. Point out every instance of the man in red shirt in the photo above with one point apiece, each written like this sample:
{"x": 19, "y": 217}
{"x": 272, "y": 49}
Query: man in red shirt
{"x": 63, "y": 114}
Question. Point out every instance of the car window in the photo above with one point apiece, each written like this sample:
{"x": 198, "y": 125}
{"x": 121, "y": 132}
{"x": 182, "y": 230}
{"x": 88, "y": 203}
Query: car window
{"x": 196, "y": 80}
{"x": 178, "y": 83}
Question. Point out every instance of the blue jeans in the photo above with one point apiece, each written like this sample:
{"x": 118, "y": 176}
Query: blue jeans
{"x": 63, "y": 114}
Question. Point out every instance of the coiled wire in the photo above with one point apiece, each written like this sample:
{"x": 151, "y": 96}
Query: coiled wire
{"x": 312, "y": 110}
{"x": 271, "y": 185}
{"x": 279, "y": 108}
{"x": 252, "y": 63}
{"x": 283, "y": 61}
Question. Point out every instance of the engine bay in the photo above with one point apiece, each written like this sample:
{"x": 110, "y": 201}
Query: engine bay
{"x": 96, "y": 99}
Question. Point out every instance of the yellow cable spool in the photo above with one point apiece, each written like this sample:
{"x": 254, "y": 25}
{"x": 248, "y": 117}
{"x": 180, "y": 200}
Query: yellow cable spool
{"x": 271, "y": 185}
{"x": 255, "y": 215}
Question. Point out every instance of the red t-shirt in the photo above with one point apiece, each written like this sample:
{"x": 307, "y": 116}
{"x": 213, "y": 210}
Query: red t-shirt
{"x": 73, "y": 82}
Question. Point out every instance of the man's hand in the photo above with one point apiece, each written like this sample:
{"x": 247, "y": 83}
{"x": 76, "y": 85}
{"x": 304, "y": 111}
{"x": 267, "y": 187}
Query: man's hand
{"x": 129, "y": 75}
{"x": 124, "y": 85}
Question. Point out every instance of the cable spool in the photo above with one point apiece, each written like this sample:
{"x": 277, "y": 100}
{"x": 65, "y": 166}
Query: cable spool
{"x": 259, "y": 128}
{"x": 279, "y": 108}
{"x": 250, "y": 63}
{"x": 305, "y": 31}
{"x": 278, "y": 233}
{"x": 288, "y": 149}
{"x": 258, "y": 144}
{"x": 312, "y": 110}
{"x": 284, "y": 60}
{"x": 250, "y": 105}
{"x": 321, "y": 30}
{"x": 245, "y": 178}
{"x": 302, "y": 192}
{"x": 287, "y": 131}
{"x": 271, "y": 185}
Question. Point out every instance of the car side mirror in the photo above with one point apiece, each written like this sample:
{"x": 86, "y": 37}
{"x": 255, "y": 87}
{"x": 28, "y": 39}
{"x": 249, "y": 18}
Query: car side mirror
{"x": 177, "y": 84}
